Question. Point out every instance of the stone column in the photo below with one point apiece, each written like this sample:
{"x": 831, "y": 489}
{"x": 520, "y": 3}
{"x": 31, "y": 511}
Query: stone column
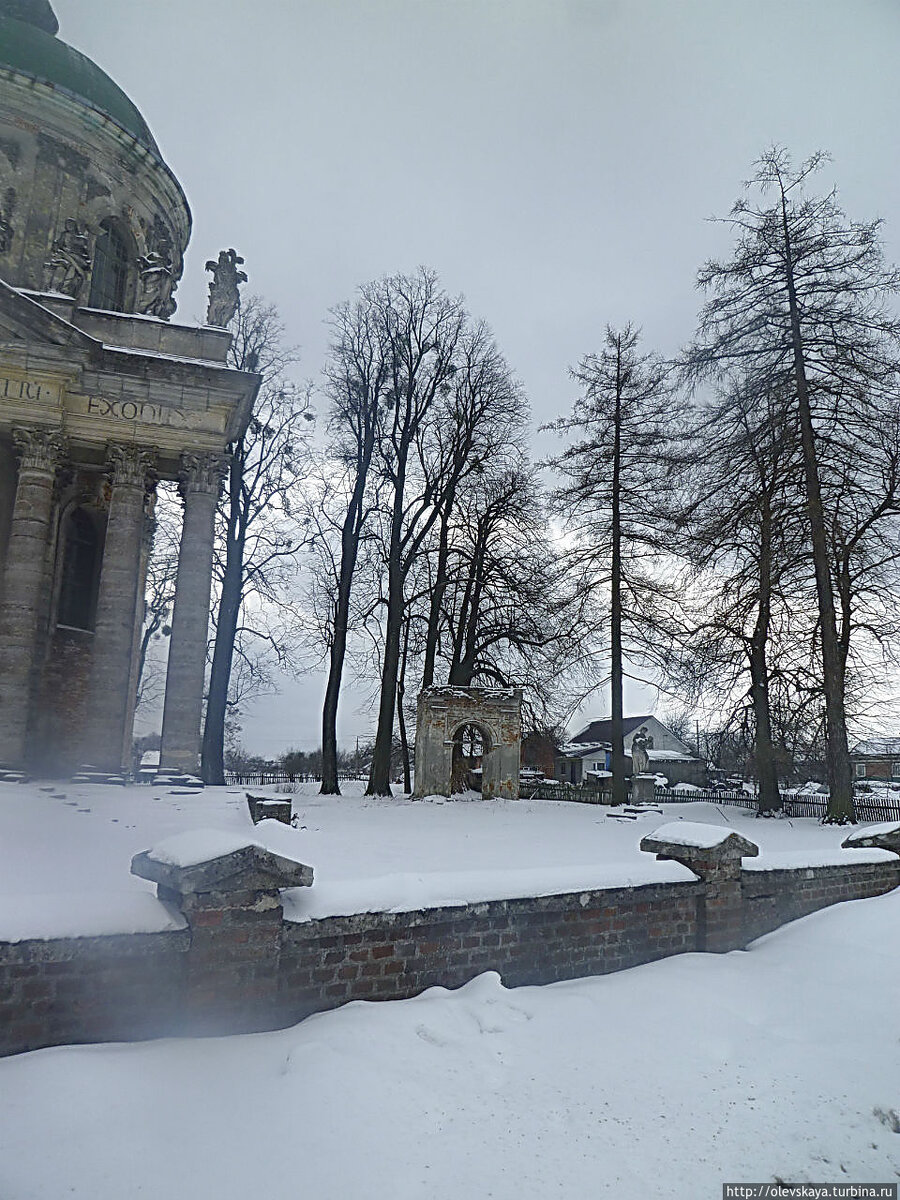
{"x": 201, "y": 479}
{"x": 39, "y": 456}
{"x": 109, "y": 709}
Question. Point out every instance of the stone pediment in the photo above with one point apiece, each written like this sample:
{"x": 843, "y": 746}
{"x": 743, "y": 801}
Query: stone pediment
{"x": 129, "y": 379}
{"x": 23, "y": 319}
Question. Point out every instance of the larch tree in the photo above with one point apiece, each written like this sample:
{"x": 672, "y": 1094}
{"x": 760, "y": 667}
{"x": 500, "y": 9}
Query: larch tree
{"x": 803, "y": 308}
{"x": 617, "y": 482}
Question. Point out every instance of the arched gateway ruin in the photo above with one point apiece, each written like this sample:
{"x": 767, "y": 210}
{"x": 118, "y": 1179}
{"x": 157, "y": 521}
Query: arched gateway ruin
{"x": 442, "y": 716}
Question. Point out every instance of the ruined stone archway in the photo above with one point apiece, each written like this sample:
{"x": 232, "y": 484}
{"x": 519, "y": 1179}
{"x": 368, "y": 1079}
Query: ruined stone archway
{"x": 443, "y": 712}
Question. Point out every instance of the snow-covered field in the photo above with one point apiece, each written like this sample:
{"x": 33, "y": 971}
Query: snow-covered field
{"x": 65, "y": 854}
{"x": 781, "y": 1062}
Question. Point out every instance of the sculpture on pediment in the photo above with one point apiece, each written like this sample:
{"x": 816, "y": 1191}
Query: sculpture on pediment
{"x": 157, "y": 282}
{"x": 70, "y": 261}
{"x": 224, "y": 297}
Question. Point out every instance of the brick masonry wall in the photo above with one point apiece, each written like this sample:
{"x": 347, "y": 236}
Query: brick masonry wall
{"x": 239, "y": 968}
{"x": 91, "y": 989}
{"x": 772, "y": 898}
{"x": 376, "y": 956}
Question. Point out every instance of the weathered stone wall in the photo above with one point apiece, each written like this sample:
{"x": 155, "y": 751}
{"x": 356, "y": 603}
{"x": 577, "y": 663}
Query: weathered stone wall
{"x": 443, "y": 711}
{"x": 240, "y": 968}
{"x": 772, "y": 898}
{"x": 384, "y": 956}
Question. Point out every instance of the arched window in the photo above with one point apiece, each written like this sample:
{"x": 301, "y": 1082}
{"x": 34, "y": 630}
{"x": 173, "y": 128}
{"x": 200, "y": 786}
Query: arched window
{"x": 109, "y": 276}
{"x": 80, "y": 572}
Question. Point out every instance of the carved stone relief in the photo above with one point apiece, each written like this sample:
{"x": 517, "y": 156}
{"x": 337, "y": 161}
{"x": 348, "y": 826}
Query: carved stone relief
{"x": 70, "y": 261}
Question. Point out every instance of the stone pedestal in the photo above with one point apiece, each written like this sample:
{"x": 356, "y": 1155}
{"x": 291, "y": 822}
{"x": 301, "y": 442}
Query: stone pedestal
{"x": 643, "y": 789}
{"x": 200, "y": 483}
{"x": 714, "y": 854}
{"x": 24, "y": 583}
{"x": 110, "y": 701}
{"x": 229, "y": 891}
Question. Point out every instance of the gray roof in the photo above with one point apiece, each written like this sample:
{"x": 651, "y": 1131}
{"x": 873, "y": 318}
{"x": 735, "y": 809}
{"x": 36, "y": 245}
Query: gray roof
{"x": 878, "y": 747}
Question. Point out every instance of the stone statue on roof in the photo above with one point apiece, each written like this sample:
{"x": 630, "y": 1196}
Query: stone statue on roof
{"x": 224, "y": 296}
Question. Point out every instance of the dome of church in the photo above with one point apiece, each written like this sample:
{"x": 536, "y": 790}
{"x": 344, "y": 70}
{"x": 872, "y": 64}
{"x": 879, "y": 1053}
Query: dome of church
{"x": 88, "y": 207}
{"x": 30, "y": 49}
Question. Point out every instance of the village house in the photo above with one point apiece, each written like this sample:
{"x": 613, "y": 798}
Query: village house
{"x": 588, "y": 753}
{"x": 876, "y": 758}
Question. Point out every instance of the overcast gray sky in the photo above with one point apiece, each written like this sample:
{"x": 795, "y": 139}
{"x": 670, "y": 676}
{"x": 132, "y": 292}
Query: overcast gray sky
{"x": 554, "y": 160}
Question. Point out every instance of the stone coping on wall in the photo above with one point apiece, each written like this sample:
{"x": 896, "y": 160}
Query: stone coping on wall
{"x": 56, "y": 916}
{"x": 796, "y": 860}
{"x": 598, "y": 897}
{"x": 462, "y": 889}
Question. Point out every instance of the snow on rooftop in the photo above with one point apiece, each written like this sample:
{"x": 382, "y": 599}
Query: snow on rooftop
{"x": 878, "y": 746}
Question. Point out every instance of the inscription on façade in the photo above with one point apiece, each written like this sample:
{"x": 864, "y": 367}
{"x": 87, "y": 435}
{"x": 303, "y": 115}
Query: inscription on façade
{"x": 23, "y": 389}
{"x": 136, "y": 410}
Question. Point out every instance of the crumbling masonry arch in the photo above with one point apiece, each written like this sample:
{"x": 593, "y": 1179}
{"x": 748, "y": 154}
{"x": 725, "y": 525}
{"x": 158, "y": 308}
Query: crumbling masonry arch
{"x": 443, "y": 712}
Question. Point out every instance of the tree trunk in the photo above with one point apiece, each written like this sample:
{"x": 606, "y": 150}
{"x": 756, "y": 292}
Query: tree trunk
{"x": 437, "y": 596}
{"x": 401, "y": 716}
{"x": 837, "y": 755}
{"x": 350, "y": 535}
{"x": 769, "y": 797}
{"x": 212, "y": 753}
{"x": 212, "y": 757}
{"x": 380, "y": 771}
{"x": 617, "y": 735}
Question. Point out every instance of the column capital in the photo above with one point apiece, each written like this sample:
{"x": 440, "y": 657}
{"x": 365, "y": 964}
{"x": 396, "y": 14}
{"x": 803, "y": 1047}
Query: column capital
{"x": 130, "y": 466}
{"x": 204, "y": 472}
{"x": 39, "y": 449}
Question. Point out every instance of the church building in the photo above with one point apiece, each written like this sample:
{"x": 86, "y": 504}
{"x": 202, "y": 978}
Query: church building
{"x": 102, "y": 395}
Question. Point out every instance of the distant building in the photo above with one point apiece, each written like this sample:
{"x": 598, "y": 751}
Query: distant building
{"x": 876, "y": 758}
{"x": 589, "y": 752}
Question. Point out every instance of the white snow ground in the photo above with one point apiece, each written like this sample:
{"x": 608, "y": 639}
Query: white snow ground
{"x": 65, "y": 853}
{"x": 659, "y": 1082}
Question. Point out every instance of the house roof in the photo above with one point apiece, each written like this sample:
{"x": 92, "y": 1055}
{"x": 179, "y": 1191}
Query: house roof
{"x": 582, "y": 749}
{"x": 601, "y": 731}
{"x": 878, "y": 747}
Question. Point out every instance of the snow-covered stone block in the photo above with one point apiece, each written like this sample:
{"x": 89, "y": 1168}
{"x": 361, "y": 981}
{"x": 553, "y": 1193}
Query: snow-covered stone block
{"x": 884, "y": 836}
{"x": 680, "y": 838}
{"x": 270, "y": 808}
{"x": 210, "y": 860}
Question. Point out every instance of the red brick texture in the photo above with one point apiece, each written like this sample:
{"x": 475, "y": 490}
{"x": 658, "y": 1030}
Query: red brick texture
{"x": 239, "y": 968}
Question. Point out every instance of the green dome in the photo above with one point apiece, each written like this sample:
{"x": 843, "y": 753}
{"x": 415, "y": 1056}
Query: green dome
{"x": 32, "y": 51}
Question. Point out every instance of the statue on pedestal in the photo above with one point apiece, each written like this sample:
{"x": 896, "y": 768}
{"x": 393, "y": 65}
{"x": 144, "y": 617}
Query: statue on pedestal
{"x": 641, "y": 743}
